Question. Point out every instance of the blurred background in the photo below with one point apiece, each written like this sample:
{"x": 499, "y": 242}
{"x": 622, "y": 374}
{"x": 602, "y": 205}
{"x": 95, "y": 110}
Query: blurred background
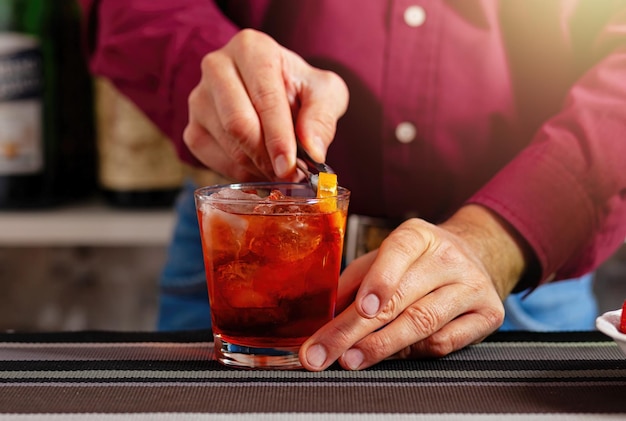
{"x": 87, "y": 186}
{"x": 87, "y": 183}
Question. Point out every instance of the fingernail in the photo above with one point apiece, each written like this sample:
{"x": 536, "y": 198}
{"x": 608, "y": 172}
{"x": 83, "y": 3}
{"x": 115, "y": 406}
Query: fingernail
{"x": 281, "y": 165}
{"x": 316, "y": 355}
{"x": 353, "y": 358}
{"x": 370, "y": 305}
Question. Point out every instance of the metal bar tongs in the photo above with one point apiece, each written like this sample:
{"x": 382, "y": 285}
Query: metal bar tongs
{"x": 309, "y": 166}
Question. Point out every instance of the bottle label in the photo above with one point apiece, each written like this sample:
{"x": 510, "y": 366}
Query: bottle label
{"x": 133, "y": 153}
{"x": 21, "y": 105}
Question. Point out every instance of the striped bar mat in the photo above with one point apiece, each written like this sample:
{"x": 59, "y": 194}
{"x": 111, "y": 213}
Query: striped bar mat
{"x": 104, "y": 375}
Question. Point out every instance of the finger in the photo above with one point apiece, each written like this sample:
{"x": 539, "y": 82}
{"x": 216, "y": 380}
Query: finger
{"x": 457, "y": 334}
{"x": 351, "y": 279}
{"x": 230, "y": 116}
{"x": 418, "y": 321}
{"x": 203, "y": 146}
{"x": 397, "y": 253}
{"x": 206, "y": 139}
{"x": 442, "y": 322}
{"x": 350, "y": 326}
{"x": 263, "y": 77}
{"x": 323, "y": 100}
{"x": 334, "y": 338}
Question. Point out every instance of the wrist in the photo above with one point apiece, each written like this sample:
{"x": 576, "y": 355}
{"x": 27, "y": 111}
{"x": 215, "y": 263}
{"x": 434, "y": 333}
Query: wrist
{"x": 504, "y": 253}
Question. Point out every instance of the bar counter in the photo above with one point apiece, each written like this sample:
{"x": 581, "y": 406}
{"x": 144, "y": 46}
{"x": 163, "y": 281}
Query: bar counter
{"x": 141, "y": 376}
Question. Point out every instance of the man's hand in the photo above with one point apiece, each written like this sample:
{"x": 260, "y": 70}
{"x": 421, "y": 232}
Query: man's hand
{"x": 242, "y": 113}
{"x": 427, "y": 291}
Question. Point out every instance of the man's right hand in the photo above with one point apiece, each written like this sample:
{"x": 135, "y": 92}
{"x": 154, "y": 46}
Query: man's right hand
{"x": 252, "y": 94}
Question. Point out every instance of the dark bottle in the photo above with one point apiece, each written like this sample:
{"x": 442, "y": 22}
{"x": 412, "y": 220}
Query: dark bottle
{"x": 47, "y": 147}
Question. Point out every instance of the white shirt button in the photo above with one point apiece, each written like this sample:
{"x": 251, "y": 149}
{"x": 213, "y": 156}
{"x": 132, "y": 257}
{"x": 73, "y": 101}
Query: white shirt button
{"x": 406, "y": 132}
{"x": 414, "y": 16}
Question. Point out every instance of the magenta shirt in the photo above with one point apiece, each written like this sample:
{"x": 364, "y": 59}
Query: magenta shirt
{"x": 516, "y": 105}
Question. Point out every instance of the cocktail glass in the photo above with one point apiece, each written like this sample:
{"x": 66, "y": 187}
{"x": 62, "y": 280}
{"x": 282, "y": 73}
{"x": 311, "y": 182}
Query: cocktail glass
{"x": 272, "y": 254}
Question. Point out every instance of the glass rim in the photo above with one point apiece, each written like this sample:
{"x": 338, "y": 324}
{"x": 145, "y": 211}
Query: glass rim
{"x": 201, "y": 192}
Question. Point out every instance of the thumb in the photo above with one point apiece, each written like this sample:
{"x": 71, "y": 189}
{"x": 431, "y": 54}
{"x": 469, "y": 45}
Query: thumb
{"x": 323, "y": 100}
{"x": 351, "y": 278}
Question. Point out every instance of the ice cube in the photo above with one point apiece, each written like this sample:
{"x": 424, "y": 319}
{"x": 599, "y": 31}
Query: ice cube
{"x": 224, "y": 232}
{"x": 235, "y": 281}
{"x": 234, "y": 201}
{"x": 235, "y": 194}
{"x": 286, "y": 238}
{"x": 277, "y": 203}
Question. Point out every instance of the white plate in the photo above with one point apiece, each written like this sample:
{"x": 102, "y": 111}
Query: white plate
{"x": 608, "y": 324}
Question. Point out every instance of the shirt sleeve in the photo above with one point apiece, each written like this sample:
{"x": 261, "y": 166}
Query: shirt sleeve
{"x": 566, "y": 192}
{"x": 151, "y": 50}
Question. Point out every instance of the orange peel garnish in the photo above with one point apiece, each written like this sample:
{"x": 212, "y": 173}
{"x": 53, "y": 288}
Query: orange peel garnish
{"x": 326, "y": 185}
{"x": 327, "y": 188}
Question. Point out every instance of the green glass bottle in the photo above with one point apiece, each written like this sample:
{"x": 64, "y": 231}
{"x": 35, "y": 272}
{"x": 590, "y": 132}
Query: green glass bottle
{"x": 47, "y": 147}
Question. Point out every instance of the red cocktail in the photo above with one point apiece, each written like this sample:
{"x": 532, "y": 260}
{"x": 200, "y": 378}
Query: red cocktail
{"x": 272, "y": 256}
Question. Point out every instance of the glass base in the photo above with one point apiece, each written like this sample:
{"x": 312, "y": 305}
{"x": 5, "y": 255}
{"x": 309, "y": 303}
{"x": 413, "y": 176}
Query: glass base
{"x": 234, "y": 355}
